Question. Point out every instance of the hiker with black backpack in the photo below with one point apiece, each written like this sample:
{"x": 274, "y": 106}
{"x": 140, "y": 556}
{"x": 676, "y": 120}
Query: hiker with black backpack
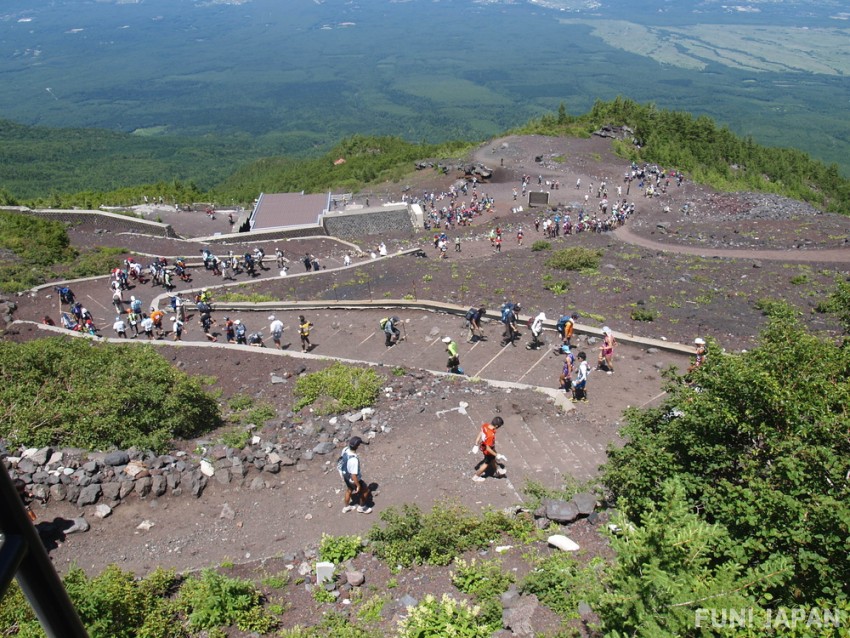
{"x": 510, "y": 316}
{"x": 473, "y": 323}
{"x": 350, "y": 469}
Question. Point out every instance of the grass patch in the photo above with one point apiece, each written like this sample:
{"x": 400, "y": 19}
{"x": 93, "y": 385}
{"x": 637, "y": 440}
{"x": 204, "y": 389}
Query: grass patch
{"x": 337, "y": 388}
{"x": 576, "y": 258}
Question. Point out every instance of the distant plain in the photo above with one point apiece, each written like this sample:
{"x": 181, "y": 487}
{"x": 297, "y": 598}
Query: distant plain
{"x": 289, "y": 77}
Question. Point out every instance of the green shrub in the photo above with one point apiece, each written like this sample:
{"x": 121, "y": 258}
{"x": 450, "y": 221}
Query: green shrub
{"x": 410, "y": 537}
{"x": 560, "y": 583}
{"x": 541, "y": 244}
{"x": 642, "y": 314}
{"x": 575, "y": 258}
{"x": 560, "y": 287}
{"x": 68, "y": 392}
{"x": 96, "y": 261}
{"x": 236, "y": 438}
{"x": 212, "y": 601}
{"x": 486, "y": 581}
{"x": 444, "y": 618}
{"x": 337, "y": 388}
{"x": 338, "y": 549}
{"x": 322, "y": 595}
{"x": 112, "y": 605}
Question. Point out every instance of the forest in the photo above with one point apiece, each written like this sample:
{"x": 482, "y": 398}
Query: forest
{"x": 82, "y": 168}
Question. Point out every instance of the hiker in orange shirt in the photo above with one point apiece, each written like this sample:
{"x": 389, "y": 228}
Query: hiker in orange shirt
{"x": 486, "y": 443}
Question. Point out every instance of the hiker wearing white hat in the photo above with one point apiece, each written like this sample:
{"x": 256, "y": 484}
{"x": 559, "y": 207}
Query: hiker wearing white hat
{"x": 276, "y": 328}
{"x": 699, "y": 347}
{"x": 453, "y": 364}
{"x": 606, "y": 351}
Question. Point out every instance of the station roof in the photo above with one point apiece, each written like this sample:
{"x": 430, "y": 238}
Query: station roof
{"x": 276, "y": 210}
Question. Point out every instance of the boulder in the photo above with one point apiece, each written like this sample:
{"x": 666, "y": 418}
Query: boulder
{"x": 116, "y": 458}
{"x": 58, "y": 492}
{"x": 563, "y": 543}
{"x": 89, "y": 494}
{"x": 158, "y": 485}
{"x": 143, "y": 486}
{"x": 102, "y": 510}
{"x": 324, "y": 448}
{"x": 585, "y": 503}
{"x": 111, "y": 491}
{"x": 561, "y": 511}
{"x": 78, "y": 524}
{"x": 41, "y": 456}
{"x": 518, "y": 618}
{"x": 355, "y": 578}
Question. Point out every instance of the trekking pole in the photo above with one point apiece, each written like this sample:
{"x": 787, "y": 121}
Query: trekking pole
{"x": 404, "y": 330}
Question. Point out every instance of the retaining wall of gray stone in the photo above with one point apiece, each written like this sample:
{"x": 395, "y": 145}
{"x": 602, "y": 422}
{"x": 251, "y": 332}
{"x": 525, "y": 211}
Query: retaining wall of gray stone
{"x": 371, "y": 222}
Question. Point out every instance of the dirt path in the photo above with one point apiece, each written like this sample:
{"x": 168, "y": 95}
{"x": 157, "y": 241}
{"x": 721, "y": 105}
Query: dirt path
{"x": 820, "y": 255}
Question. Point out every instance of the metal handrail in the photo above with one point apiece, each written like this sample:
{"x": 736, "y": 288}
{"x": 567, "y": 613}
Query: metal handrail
{"x": 23, "y": 556}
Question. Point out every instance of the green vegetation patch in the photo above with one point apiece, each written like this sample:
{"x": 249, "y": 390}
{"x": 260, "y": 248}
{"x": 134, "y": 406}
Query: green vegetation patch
{"x": 337, "y": 388}
{"x": 212, "y": 600}
{"x": 68, "y": 392}
{"x": 576, "y": 258}
{"x": 411, "y": 537}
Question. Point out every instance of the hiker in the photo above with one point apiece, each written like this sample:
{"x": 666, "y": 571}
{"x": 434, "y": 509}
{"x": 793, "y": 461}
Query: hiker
{"x": 565, "y": 381}
{"x": 700, "y": 352}
{"x": 120, "y": 327}
{"x": 207, "y": 323}
{"x": 606, "y": 351}
{"x": 304, "y": 332}
{"x": 486, "y": 444}
{"x": 536, "y": 331}
{"x": 580, "y": 385}
{"x": 178, "y": 328}
{"x": 392, "y": 334}
{"x": 276, "y": 330}
{"x": 510, "y": 312}
{"x": 241, "y": 332}
{"x": 473, "y": 323}
{"x": 453, "y": 364}
{"x": 351, "y": 471}
{"x": 566, "y": 327}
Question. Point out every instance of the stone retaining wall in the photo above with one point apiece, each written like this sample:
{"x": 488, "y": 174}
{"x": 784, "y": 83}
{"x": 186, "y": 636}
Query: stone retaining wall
{"x": 371, "y": 222}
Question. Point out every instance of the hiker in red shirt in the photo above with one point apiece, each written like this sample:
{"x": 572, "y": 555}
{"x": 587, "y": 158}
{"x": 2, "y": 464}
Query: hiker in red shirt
{"x": 486, "y": 443}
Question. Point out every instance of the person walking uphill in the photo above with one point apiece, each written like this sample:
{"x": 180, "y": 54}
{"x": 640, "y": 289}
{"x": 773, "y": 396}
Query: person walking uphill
{"x": 486, "y": 443}
{"x": 453, "y": 364}
{"x": 304, "y": 327}
{"x": 351, "y": 471}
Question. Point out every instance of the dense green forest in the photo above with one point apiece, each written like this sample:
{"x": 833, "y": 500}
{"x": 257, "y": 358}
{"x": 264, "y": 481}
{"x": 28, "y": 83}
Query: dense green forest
{"x": 66, "y": 168}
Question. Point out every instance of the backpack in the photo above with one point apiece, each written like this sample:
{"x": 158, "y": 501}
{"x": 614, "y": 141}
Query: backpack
{"x": 529, "y": 323}
{"x": 342, "y": 464}
{"x": 383, "y": 323}
{"x": 507, "y": 312}
{"x": 470, "y": 314}
{"x": 562, "y": 323}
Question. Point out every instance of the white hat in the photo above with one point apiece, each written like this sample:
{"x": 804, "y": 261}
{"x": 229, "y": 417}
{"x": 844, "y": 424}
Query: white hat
{"x": 271, "y": 317}
{"x": 447, "y": 339}
{"x": 132, "y": 298}
{"x": 699, "y": 341}
{"x": 606, "y": 330}
{"x": 237, "y": 322}
{"x": 173, "y": 318}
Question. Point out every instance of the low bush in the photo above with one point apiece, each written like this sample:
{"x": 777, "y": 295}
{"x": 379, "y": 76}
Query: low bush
{"x": 97, "y": 261}
{"x": 486, "y": 581}
{"x": 338, "y": 549}
{"x": 68, "y": 392}
{"x": 411, "y": 537}
{"x": 112, "y": 605}
{"x": 575, "y": 258}
{"x": 337, "y": 388}
{"x": 560, "y": 583}
{"x": 541, "y": 244}
{"x": 212, "y": 600}
{"x": 643, "y": 314}
{"x": 434, "y": 618}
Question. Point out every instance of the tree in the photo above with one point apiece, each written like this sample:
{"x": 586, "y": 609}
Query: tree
{"x": 673, "y": 565}
{"x": 760, "y": 445}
